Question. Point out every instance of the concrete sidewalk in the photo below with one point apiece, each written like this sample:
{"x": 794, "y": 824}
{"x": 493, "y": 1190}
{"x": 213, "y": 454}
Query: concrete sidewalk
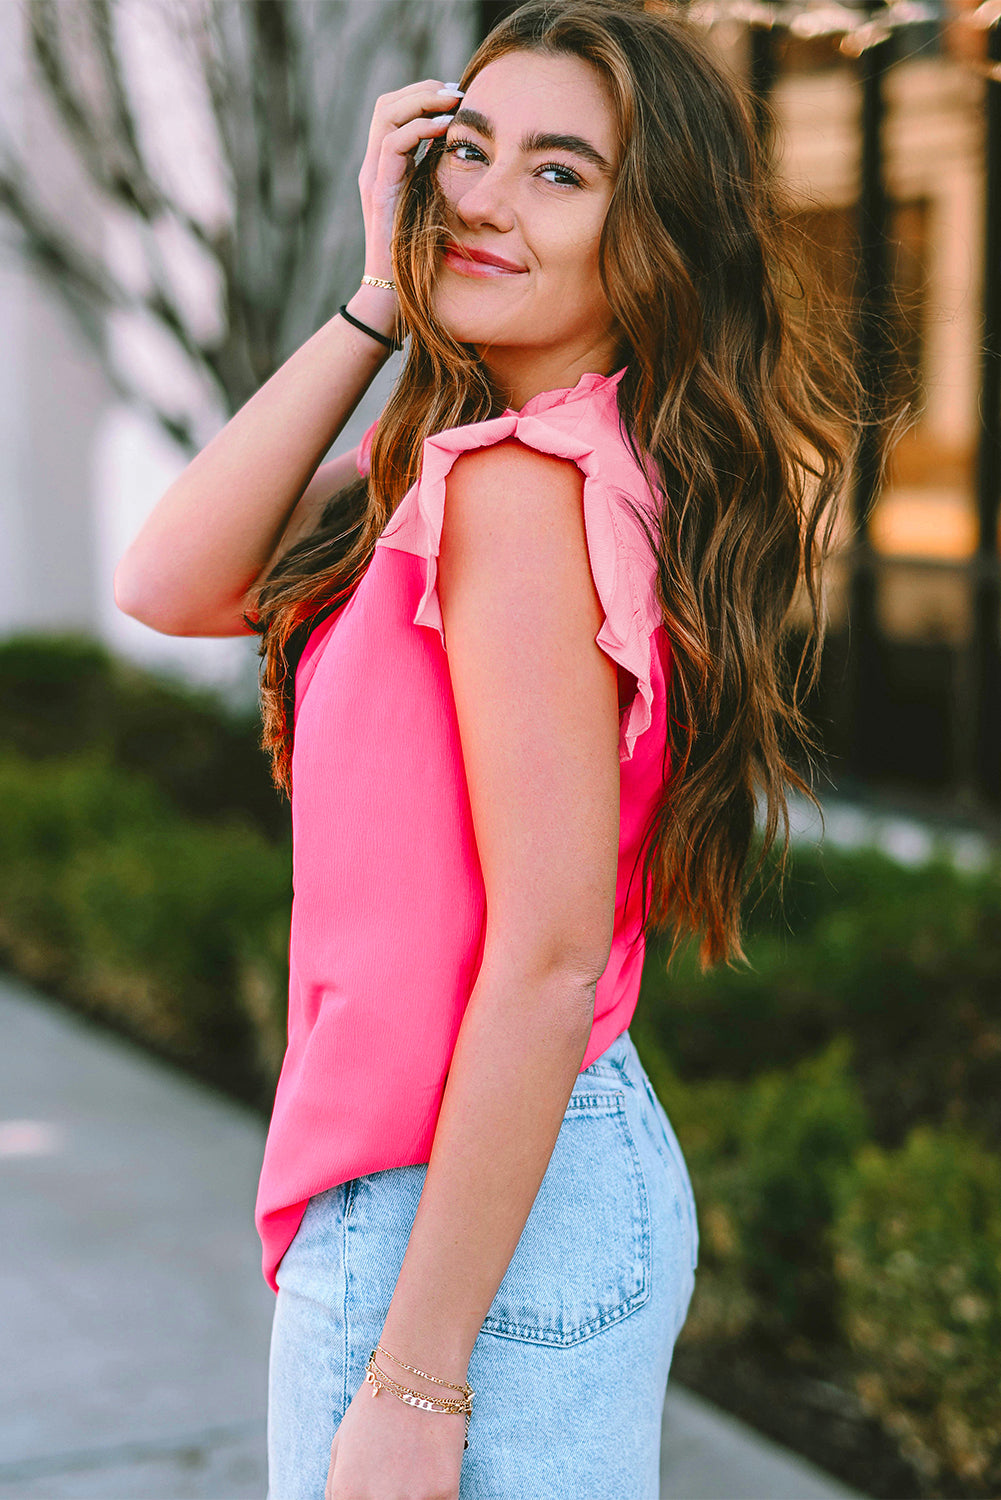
{"x": 134, "y": 1320}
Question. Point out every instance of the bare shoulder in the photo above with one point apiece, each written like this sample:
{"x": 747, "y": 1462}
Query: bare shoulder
{"x": 514, "y": 492}
{"x": 512, "y": 461}
{"x": 514, "y": 550}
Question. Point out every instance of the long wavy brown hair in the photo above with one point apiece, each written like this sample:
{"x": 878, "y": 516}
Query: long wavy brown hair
{"x": 749, "y": 414}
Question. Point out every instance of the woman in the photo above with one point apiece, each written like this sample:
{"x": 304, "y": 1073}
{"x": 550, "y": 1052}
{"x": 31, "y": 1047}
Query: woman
{"x": 528, "y": 639}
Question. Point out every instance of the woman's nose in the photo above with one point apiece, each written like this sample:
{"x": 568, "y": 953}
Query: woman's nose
{"x": 487, "y": 201}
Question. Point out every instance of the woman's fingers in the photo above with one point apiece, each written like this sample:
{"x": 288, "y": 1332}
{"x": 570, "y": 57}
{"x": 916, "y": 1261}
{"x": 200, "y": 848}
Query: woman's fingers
{"x": 401, "y": 119}
{"x": 399, "y": 122}
{"x": 395, "y": 159}
{"x": 399, "y": 143}
{"x": 395, "y": 110}
{"x": 425, "y": 86}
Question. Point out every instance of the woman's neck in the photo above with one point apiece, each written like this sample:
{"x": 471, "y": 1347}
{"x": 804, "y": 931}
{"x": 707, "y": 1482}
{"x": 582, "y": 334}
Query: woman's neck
{"x": 518, "y": 382}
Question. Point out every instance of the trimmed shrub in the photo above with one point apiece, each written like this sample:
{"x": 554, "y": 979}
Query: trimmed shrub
{"x": 907, "y": 962}
{"x": 918, "y": 1259}
{"x": 262, "y": 965}
{"x": 56, "y": 694}
{"x": 160, "y": 918}
{"x": 175, "y": 931}
{"x": 67, "y": 696}
{"x": 798, "y": 1132}
{"x": 47, "y": 814}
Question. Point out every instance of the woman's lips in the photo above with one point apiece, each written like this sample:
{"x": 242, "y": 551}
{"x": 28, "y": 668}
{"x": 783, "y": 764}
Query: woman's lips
{"x": 466, "y": 267}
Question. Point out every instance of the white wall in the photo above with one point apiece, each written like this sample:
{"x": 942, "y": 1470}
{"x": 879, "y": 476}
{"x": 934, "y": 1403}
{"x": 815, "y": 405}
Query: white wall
{"x": 51, "y": 397}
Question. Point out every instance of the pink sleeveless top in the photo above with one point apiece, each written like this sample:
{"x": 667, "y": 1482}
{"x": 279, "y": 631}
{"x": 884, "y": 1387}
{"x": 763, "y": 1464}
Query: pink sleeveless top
{"x": 389, "y": 904}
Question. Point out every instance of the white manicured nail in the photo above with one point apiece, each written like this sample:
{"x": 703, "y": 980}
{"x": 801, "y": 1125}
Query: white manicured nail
{"x": 451, "y": 88}
{"x": 441, "y": 119}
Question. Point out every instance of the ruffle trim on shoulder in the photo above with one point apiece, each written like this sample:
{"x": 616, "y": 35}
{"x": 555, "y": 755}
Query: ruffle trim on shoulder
{"x": 623, "y": 576}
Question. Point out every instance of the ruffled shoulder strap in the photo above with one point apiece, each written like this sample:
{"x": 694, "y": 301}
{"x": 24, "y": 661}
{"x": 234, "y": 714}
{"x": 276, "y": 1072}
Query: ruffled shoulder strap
{"x": 622, "y": 563}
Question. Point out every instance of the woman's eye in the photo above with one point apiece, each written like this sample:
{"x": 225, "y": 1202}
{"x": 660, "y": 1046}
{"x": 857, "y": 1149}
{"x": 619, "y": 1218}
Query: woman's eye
{"x": 569, "y": 177}
{"x": 454, "y": 146}
{"x": 555, "y": 166}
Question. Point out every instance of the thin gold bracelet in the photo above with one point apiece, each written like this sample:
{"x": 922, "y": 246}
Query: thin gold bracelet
{"x": 465, "y": 1388}
{"x": 378, "y": 281}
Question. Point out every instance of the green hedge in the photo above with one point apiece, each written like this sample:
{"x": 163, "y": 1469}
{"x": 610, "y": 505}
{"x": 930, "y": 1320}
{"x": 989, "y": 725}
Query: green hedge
{"x": 175, "y": 931}
{"x": 821, "y": 1246}
{"x": 918, "y": 1256}
{"x": 66, "y": 696}
{"x": 838, "y": 1102}
{"x": 907, "y": 962}
{"x": 768, "y": 1160}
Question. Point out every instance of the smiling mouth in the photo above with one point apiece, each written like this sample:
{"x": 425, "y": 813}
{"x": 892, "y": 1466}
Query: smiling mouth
{"x": 468, "y": 264}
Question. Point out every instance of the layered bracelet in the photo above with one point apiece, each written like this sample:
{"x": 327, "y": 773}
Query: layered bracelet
{"x": 378, "y": 1378}
{"x": 372, "y": 332}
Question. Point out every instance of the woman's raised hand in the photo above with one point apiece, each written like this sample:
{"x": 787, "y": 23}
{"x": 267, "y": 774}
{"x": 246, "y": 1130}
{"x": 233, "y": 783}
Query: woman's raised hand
{"x": 400, "y": 121}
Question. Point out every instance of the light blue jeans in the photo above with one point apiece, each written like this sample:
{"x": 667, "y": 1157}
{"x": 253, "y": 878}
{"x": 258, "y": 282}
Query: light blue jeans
{"x": 570, "y": 1367}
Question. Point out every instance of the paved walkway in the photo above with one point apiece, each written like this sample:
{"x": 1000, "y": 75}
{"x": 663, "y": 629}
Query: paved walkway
{"x": 134, "y": 1321}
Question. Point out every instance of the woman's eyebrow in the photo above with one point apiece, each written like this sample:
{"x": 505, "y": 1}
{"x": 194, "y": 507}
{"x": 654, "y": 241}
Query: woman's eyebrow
{"x": 539, "y": 141}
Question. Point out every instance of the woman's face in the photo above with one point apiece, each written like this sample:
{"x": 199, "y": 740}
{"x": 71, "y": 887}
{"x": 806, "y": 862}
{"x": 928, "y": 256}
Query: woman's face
{"x": 537, "y": 204}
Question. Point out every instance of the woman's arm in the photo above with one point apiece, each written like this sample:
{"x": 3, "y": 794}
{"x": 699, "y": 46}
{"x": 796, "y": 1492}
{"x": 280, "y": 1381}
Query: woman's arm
{"x": 537, "y": 707}
{"x": 193, "y": 568}
{"x": 255, "y": 487}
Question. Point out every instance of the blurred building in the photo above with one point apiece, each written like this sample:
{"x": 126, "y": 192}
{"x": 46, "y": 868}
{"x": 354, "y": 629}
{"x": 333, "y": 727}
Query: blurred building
{"x": 928, "y": 683}
{"x": 934, "y": 173}
{"x": 53, "y": 395}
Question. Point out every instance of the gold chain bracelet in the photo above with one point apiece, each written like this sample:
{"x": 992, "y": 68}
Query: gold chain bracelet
{"x": 378, "y": 281}
{"x": 466, "y": 1390}
{"x": 378, "y": 1378}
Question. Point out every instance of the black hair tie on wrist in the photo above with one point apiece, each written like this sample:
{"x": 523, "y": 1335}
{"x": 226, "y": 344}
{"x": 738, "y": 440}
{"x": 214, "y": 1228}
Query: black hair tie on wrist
{"x": 389, "y": 343}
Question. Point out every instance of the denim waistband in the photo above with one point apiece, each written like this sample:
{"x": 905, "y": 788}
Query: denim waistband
{"x": 619, "y": 1057}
